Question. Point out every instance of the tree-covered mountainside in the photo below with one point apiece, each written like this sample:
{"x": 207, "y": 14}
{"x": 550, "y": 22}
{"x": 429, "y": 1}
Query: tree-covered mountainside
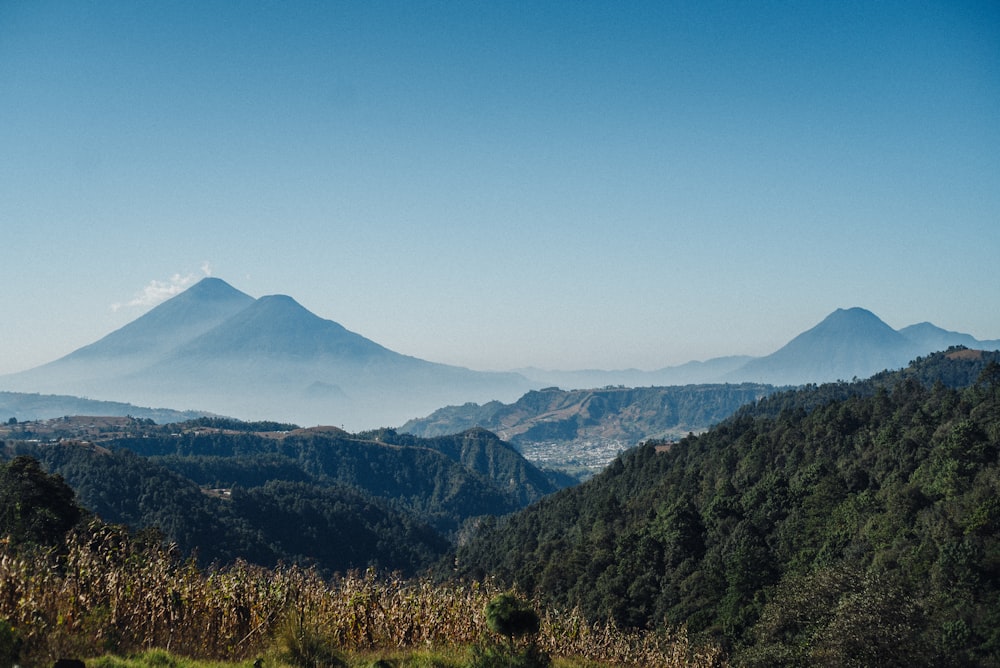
{"x": 445, "y": 480}
{"x": 270, "y": 492}
{"x": 333, "y": 527}
{"x": 843, "y": 524}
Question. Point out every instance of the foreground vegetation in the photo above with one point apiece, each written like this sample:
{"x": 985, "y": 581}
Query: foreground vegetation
{"x": 105, "y": 592}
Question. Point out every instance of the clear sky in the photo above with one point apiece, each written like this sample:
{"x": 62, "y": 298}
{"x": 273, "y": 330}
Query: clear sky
{"x": 503, "y": 184}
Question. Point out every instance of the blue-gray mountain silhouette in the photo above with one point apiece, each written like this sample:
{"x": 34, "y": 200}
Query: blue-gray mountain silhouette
{"x": 215, "y": 348}
{"x": 849, "y": 343}
{"x": 931, "y": 337}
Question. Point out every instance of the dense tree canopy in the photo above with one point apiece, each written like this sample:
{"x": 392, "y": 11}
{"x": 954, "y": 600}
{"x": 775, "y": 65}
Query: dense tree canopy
{"x": 35, "y": 508}
{"x": 226, "y": 490}
{"x": 792, "y": 529}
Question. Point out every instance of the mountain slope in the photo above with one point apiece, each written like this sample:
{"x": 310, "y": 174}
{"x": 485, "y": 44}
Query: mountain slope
{"x": 267, "y": 492}
{"x": 486, "y": 454}
{"x": 844, "y": 524}
{"x": 627, "y": 414}
{"x": 22, "y": 406}
{"x": 928, "y": 337}
{"x": 140, "y": 343}
{"x": 580, "y": 431}
{"x": 333, "y": 527}
{"x": 447, "y": 479}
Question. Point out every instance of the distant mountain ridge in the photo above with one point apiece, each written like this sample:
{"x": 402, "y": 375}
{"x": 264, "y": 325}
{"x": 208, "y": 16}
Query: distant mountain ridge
{"x": 580, "y": 431}
{"x": 848, "y": 343}
{"x": 626, "y": 414}
{"x": 215, "y": 348}
{"x": 23, "y": 406}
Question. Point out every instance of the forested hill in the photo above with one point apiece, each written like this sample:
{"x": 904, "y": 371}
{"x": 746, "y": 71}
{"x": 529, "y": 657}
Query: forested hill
{"x": 268, "y": 492}
{"x": 846, "y": 524}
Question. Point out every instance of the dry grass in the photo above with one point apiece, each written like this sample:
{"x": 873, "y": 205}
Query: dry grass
{"x": 105, "y": 595}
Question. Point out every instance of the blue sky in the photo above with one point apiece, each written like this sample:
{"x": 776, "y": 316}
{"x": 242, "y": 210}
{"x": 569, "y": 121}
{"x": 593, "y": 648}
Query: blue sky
{"x": 496, "y": 185}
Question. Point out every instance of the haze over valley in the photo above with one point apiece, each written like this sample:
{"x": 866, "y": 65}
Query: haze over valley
{"x": 216, "y": 349}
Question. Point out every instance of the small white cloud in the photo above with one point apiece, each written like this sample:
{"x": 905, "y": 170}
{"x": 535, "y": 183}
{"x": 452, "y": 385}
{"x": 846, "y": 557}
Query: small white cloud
{"x": 160, "y": 291}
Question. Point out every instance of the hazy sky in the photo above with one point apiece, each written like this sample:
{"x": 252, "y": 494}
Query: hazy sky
{"x": 503, "y": 184}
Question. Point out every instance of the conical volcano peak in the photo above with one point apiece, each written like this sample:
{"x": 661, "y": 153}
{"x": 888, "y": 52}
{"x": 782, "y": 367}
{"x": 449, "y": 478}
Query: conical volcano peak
{"x": 852, "y": 314}
{"x": 213, "y": 288}
{"x": 221, "y": 350}
{"x": 176, "y": 321}
{"x": 852, "y": 311}
{"x": 854, "y": 319}
{"x": 282, "y": 309}
{"x": 848, "y": 342}
{"x": 280, "y": 326}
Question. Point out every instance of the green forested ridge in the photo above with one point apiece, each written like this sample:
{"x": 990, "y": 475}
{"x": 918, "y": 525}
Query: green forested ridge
{"x": 315, "y": 496}
{"x": 445, "y": 479}
{"x": 844, "y": 524}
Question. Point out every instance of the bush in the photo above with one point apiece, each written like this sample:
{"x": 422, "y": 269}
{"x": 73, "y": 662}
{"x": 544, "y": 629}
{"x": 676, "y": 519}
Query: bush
{"x": 510, "y": 616}
{"x": 304, "y": 647}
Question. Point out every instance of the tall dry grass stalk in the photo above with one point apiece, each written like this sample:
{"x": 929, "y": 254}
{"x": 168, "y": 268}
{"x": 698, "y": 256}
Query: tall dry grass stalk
{"x": 105, "y": 594}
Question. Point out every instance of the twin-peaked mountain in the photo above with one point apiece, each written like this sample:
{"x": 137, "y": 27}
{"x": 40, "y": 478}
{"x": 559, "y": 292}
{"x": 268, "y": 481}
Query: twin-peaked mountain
{"x": 215, "y": 348}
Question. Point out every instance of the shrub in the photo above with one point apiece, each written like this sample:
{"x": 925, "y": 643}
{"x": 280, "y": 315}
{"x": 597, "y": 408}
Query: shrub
{"x": 510, "y": 616}
{"x": 304, "y": 647}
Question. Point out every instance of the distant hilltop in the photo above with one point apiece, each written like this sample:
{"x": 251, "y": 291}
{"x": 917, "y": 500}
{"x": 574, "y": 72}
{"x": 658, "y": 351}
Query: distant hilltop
{"x": 851, "y": 343}
{"x": 848, "y": 343}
